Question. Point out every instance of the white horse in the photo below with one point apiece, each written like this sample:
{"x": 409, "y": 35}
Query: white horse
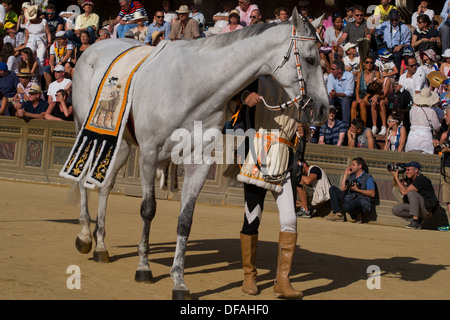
{"x": 191, "y": 81}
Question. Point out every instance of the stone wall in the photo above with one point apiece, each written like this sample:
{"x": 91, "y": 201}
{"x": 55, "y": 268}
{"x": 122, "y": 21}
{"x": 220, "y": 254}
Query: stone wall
{"x": 36, "y": 150}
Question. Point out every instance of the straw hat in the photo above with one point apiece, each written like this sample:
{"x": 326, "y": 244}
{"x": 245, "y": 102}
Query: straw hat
{"x": 138, "y": 15}
{"x": 426, "y": 97}
{"x": 24, "y": 72}
{"x": 183, "y": 9}
{"x": 31, "y": 12}
{"x": 436, "y": 78}
{"x": 35, "y": 88}
{"x": 155, "y": 37}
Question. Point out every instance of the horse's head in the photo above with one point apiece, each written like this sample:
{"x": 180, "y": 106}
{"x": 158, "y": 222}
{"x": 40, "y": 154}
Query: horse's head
{"x": 301, "y": 72}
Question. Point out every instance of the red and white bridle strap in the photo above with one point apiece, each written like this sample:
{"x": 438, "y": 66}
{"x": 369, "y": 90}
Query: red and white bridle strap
{"x": 293, "y": 44}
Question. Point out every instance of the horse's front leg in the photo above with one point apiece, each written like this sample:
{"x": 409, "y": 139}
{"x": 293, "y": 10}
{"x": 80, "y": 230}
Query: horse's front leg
{"x": 84, "y": 239}
{"x": 195, "y": 176}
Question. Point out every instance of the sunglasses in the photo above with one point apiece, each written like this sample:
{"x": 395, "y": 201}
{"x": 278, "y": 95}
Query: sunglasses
{"x": 368, "y": 62}
{"x": 253, "y": 17}
{"x": 51, "y": 13}
{"x": 412, "y": 65}
{"x": 358, "y": 15}
{"x": 159, "y": 17}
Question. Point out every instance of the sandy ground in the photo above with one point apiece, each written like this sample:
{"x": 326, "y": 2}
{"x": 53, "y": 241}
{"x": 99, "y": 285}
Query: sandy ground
{"x": 38, "y": 231}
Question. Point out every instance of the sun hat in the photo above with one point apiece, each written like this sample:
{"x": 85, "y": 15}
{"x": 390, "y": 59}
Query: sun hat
{"x": 234, "y": 11}
{"x": 446, "y": 53}
{"x": 85, "y": 2}
{"x": 430, "y": 54}
{"x": 31, "y": 12}
{"x": 384, "y": 53}
{"x": 183, "y": 9}
{"x": 35, "y": 88}
{"x": 436, "y": 78}
{"x": 138, "y": 15}
{"x": 349, "y": 45}
{"x": 155, "y": 36}
{"x": 24, "y": 72}
{"x": 58, "y": 68}
{"x": 413, "y": 164}
{"x": 61, "y": 34}
{"x": 426, "y": 97}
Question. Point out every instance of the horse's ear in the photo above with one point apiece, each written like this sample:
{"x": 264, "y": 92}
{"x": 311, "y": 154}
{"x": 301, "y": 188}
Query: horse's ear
{"x": 317, "y": 21}
{"x": 297, "y": 21}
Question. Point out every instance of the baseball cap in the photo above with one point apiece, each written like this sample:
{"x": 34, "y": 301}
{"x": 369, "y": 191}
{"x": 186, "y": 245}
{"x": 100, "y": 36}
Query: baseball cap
{"x": 58, "y": 68}
{"x": 413, "y": 164}
{"x": 384, "y": 53}
{"x": 3, "y": 66}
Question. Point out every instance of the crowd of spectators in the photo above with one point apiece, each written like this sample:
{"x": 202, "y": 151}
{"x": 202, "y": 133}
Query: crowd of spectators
{"x": 375, "y": 63}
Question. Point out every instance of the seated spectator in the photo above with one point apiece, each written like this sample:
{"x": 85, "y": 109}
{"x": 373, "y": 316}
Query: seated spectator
{"x": 8, "y": 81}
{"x": 256, "y": 17}
{"x": 16, "y": 38}
{"x": 35, "y": 107}
{"x": 425, "y": 37}
{"x": 419, "y": 197}
{"x": 7, "y": 56}
{"x": 354, "y": 194}
{"x": 84, "y": 37}
{"x": 62, "y": 110}
{"x": 157, "y": 36}
{"x": 329, "y": 48}
{"x": 355, "y": 30}
{"x": 54, "y": 21}
{"x": 445, "y": 95}
{"x": 60, "y": 83}
{"x": 244, "y": 8}
{"x": 220, "y": 19}
{"x": 445, "y": 65}
{"x": 333, "y": 131}
{"x": 444, "y": 27}
{"x": 428, "y": 63}
{"x": 10, "y": 15}
{"x": 158, "y": 25}
{"x": 351, "y": 60}
{"x": 28, "y": 61}
{"x": 396, "y": 135}
{"x": 103, "y": 34}
{"x": 386, "y": 66}
{"x": 422, "y": 9}
{"x": 197, "y": 15}
{"x": 170, "y": 16}
{"x": 359, "y": 136}
{"x": 185, "y": 27}
{"x": 140, "y": 32}
{"x": 408, "y": 52}
{"x": 340, "y": 88}
{"x": 126, "y": 16}
{"x": 349, "y": 15}
{"x": 314, "y": 181}
{"x": 378, "y": 105}
{"x": 414, "y": 79}
{"x": 424, "y": 121}
{"x": 60, "y": 55}
{"x": 364, "y": 78}
{"x": 23, "y": 88}
{"x": 88, "y": 21}
{"x": 233, "y": 22}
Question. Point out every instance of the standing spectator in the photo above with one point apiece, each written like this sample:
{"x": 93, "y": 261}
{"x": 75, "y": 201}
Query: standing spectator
{"x": 158, "y": 25}
{"x": 35, "y": 107}
{"x": 425, "y": 37}
{"x": 422, "y": 9}
{"x": 185, "y": 27}
{"x": 396, "y": 35}
{"x": 37, "y": 36}
{"x": 356, "y": 29}
{"x": 55, "y": 22}
{"x": 245, "y": 8}
{"x": 355, "y": 193}
{"x": 419, "y": 198}
{"x": 126, "y": 16}
{"x": 396, "y": 136}
{"x": 233, "y": 22}
{"x": 445, "y": 26}
{"x": 340, "y": 88}
{"x": 333, "y": 131}
{"x": 22, "y": 20}
{"x": 424, "y": 122}
{"x": 88, "y": 21}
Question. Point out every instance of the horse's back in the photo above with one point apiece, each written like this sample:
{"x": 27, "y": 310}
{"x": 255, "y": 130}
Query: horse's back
{"x": 89, "y": 71}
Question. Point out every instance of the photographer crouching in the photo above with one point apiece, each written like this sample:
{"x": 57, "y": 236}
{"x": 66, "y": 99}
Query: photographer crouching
{"x": 419, "y": 198}
{"x": 355, "y": 193}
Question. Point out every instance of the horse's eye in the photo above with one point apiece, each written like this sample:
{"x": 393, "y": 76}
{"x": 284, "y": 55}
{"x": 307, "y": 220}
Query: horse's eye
{"x": 310, "y": 60}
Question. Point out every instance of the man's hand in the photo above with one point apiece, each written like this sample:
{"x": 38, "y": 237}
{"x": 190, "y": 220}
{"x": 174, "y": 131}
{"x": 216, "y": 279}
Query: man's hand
{"x": 252, "y": 99}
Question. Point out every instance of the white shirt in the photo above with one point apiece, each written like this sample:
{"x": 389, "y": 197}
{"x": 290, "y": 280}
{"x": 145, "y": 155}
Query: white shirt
{"x": 420, "y": 136}
{"x": 55, "y": 86}
{"x": 415, "y": 83}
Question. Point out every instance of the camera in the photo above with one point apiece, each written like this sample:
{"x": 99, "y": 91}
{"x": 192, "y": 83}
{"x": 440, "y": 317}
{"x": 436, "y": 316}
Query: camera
{"x": 400, "y": 167}
{"x": 439, "y": 148}
{"x": 352, "y": 183}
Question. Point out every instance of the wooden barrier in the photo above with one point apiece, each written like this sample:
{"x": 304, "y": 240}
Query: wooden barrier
{"x": 36, "y": 150}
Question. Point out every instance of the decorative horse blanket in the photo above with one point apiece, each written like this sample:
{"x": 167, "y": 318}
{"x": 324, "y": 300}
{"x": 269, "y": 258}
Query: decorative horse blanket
{"x": 102, "y": 131}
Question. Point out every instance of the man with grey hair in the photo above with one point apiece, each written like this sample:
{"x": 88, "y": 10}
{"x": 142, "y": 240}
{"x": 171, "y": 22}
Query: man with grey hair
{"x": 245, "y": 9}
{"x": 341, "y": 89}
{"x": 126, "y": 16}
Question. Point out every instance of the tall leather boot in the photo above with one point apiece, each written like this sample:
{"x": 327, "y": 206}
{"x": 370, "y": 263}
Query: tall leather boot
{"x": 282, "y": 285}
{"x": 248, "y": 248}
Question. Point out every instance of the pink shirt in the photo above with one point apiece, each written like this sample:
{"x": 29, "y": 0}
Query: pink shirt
{"x": 245, "y": 15}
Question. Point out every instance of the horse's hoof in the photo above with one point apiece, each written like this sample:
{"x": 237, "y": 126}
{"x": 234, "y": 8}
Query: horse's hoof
{"x": 83, "y": 247}
{"x": 181, "y": 295}
{"x": 101, "y": 256}
{"x": 144, "y": 276}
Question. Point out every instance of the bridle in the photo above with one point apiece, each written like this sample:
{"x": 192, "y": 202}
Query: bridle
{"x": 292, "y": 44}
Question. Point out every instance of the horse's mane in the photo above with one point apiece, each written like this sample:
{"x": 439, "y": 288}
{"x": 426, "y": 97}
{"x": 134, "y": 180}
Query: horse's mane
{"x": 225, "y": 39}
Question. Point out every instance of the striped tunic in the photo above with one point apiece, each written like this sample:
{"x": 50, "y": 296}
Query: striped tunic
{"x": 128, "y": 15}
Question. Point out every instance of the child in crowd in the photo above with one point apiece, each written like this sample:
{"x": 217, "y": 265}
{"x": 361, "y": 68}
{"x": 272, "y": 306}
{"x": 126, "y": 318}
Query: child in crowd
{"x": 445, "y": 65}
{"x": 445, "y": 95}
{"x": 351, "y": 61}
{"x": 385, "y": 64}
{"x": 428, "y": 58}
{"x": 349, "y": 17}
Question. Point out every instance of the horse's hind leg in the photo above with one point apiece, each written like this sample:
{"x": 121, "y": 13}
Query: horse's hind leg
{"x": 84, "y": 239}
{"x": 147, "y": 163}
{"x": 195, "y": 176}
{"x": 100, "y": 253}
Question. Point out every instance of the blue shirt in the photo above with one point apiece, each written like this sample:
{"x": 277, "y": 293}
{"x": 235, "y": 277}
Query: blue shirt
{"x": 8, "y": 84}
{"x": 331, "y": 135}
{"x": 393, "y": 37}
{"x": 41, "y": 107}
{"x": 166, "y": 27}
{"x": 346, "y": 84}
